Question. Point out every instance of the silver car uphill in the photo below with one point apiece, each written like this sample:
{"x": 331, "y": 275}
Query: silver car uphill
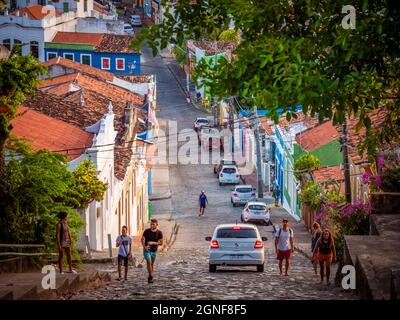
{"x": 236, "y": 245}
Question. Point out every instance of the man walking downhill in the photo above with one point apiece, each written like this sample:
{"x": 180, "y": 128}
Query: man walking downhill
{"x": 151, "y": 239}
{"x": 202, "y": 201}
{"x": 276, "y": 193}
{"x": 284, "y": 246}
{"x": 124, "y": 242}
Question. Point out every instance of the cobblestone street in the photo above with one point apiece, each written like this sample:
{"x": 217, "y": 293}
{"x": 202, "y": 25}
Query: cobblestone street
{"x": 182, "y": 272}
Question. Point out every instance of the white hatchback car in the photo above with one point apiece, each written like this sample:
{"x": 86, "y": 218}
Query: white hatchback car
{"x": 128, "y": 29}
{"x": 200, "y": 122}
{"x": 229, "y": 174}
{"x": 242, "y": 194}
{"x": 236, "y": 245}
{"x": 256, "y": 212}
{"x": 136, "y": 20}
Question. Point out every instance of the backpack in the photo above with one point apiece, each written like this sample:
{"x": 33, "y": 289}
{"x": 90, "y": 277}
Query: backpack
{"x": 290, "y": 232}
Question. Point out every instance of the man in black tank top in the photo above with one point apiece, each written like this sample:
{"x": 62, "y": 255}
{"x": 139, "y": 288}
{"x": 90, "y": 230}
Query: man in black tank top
{"x": 151, "y": 239}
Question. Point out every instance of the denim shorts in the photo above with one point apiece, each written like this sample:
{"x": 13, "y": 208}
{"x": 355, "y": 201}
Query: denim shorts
{"x": 150, "y": 255}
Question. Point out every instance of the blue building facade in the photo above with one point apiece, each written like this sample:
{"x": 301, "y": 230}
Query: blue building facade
{"x": 111, "y": 54}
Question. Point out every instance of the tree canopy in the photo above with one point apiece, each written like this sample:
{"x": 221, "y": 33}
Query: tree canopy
{"x": 298, "y": 52}
{"x": 40, "y": 186}
{"x": 36, "y": 185}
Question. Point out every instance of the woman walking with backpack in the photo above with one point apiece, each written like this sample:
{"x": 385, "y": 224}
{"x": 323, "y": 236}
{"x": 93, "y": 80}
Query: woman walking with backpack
{"x": 326, "y": 251}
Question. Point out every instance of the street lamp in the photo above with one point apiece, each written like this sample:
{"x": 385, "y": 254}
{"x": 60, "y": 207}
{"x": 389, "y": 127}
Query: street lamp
{"x": 132, "y": 66}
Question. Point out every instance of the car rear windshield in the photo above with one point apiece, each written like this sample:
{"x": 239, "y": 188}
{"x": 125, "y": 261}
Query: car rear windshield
{"x": 202, "y": 120}
{"x": 230, "y": 233}
{"x": 244, "y": 190}
{"x": 227, "y": 162}
{"x": 256, "y": 207}
{"x": 229, "y": 170}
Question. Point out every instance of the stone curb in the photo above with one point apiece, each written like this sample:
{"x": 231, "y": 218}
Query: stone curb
{"x": 167, "y": 195}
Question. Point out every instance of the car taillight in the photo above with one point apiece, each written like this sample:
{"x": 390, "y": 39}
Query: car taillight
{"x": 235, "y": 195}
{"x": 214, "y": 244}
{"x": 259, "y": 244}
{"x": 253, "y": 194}
{"x": 247, "y": 210}
{"x": 221, "y": 175}
{"x": 237, "y": 176}
{"x": 236, "y": 228}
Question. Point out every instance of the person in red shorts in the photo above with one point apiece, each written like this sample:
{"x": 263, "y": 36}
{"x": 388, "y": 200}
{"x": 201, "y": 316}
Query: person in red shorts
{"x": 326, "y": 251}
{"x": 284, "y": 246}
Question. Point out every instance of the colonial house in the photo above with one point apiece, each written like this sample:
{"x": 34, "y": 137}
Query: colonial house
{"x": 208, "y": 51}
{"x": 34, "y": 22}
{"x": 104, "y": 51}
{"x": 141, "y": 84}
{"x": 359, "y": 163}
{"x": 110, "y": 113}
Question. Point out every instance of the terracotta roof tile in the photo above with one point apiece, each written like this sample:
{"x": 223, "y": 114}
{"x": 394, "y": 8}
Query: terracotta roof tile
{"x": 36, "y": 12}
{"x": 356, "y": 137}
{"x": 67, "y": 111}
{"x": 93, "y": 96}
{"x": 78, "y": 38}
{"x": 268, "y": 128}
{"x": 326, "y": 173}
{"x": 59, "y": 80}
{"x": 101, "y": 42}
{"x": 140, "y": 78}
{"x": 318, "y": 136}
{"x": 115, "y": 43}
{"x": 114, "y": 93}
{"x": 84, "y": 68}
{"x": 99, "y": 8}
{"x": 44, "y": 132}
{"x": 308, "y": 121}
{"x": 210, "y": 46}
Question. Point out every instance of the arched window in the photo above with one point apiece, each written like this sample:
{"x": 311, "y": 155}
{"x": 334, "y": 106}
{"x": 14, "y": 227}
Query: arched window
{"x": 7, "y": 43}
{"x": 18, "y": 46}
{"x": 35, "y": 49}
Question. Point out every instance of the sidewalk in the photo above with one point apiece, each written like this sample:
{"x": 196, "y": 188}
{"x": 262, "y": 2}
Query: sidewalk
{"x": 160, "y": 177}
{"x": 23, "y": 286}
{"x": 252, "y": 180}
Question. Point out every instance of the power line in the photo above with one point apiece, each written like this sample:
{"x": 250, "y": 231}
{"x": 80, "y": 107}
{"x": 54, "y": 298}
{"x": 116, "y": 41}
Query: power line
{"x": 135, "y": 140}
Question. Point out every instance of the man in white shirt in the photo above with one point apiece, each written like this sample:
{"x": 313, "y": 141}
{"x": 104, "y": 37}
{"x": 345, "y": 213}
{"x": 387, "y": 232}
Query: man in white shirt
{"x": 124, "y": 242}
{"x": 284, "y": 246}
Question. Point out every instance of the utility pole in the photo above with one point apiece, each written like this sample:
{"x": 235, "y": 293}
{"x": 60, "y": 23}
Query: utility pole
{"x": 258, "y": 151}
{"x": 187, "y": 75}
{"x": 347, "y": 184}
{"x": 231, "y": 127}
